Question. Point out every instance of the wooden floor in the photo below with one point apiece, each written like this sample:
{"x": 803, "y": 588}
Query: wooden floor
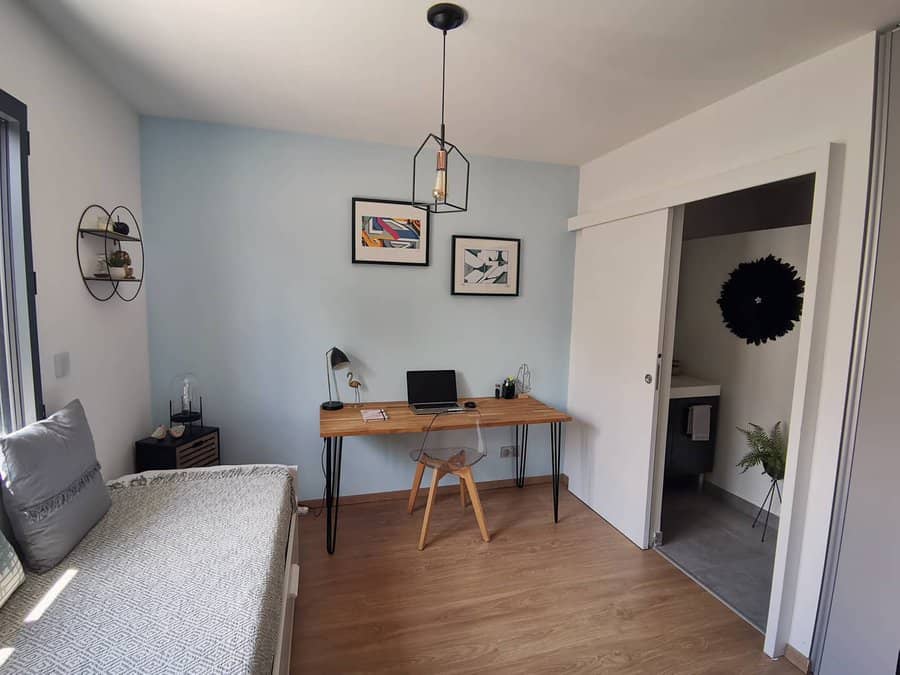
{"x": 540, "y": 598}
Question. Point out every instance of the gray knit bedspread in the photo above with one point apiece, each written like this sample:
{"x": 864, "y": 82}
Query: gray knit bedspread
{"x": 182, "y": 575}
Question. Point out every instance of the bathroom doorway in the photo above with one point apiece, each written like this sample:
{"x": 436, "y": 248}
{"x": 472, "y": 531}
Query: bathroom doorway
{"x": 736, "y": 339}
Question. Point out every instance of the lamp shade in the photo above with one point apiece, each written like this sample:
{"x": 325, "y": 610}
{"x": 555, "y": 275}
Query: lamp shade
{"x": 338, "y": 358}
{"x": 334, "y": 359}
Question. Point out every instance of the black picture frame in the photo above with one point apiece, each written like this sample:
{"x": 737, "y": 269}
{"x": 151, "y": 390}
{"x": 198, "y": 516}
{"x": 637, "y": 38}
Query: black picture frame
{"x": 489, "y": 290}
{"x": 357, "y": 250}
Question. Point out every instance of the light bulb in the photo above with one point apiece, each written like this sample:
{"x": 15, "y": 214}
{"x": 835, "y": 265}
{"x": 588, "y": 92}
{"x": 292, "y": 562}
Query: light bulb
{"x": 440, "y": 179}
{"x": 440, "y": 186}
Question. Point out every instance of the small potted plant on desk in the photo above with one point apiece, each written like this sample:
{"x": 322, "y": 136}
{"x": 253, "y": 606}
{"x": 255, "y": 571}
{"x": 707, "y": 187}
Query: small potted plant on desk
{"x": 118, "y": 261}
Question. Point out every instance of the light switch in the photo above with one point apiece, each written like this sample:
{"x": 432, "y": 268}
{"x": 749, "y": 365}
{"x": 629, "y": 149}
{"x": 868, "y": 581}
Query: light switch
{"x": 61, "y": 364}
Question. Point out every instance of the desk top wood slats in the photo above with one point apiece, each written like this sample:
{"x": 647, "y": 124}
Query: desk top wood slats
{"x": 401, "y": 420}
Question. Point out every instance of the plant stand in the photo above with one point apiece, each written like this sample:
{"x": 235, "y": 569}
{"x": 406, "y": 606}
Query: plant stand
{"x": 770, "y": 498}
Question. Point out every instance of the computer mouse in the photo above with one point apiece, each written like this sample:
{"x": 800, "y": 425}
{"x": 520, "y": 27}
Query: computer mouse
{"x": 471, "y": 404}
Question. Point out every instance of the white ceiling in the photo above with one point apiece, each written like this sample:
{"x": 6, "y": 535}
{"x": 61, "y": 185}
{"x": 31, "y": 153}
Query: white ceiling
{"x": 552, "y": 80}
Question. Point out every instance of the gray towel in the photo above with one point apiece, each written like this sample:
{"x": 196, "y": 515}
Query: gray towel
{"x": 698, "y": 422}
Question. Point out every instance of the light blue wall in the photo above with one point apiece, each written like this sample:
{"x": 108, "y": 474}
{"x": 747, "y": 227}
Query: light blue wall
{"x": 249, "y": 281}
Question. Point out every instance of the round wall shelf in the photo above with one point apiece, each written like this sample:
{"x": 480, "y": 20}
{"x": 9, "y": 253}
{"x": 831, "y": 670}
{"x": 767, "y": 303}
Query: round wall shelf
{"x": 105, "y": 237}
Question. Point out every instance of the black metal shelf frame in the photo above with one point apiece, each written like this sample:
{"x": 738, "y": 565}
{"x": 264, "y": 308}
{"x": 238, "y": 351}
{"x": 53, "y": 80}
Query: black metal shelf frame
{"x": 112, "y": 241}
{"x": 108, "y": 235}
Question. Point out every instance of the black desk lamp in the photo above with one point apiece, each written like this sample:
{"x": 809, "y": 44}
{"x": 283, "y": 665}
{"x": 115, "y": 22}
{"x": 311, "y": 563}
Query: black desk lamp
{"x": 334, "y": 359}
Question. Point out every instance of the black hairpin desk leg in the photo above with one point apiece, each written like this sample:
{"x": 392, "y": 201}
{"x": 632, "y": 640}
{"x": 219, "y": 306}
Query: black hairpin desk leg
{"x": 521, "y": 455}
{"x": 333, "y": 450}
{"x": 555, "y": 438}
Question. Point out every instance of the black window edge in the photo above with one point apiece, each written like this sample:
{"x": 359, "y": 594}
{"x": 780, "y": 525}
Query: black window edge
{"x": 14, "y": 110}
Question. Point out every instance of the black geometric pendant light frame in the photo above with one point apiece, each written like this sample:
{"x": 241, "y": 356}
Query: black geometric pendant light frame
{"x": 445, "y": 206}
{"x": 444, "y": 16}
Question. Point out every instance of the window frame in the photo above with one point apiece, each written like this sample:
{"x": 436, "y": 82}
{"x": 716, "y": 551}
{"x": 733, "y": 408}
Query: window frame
{"x": 15, "y": 112}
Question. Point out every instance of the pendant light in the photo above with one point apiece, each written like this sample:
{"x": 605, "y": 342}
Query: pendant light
{"x": 443, "y": 195}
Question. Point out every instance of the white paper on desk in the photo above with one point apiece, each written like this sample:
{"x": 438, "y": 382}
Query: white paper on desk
{"x": 374, "y": 415}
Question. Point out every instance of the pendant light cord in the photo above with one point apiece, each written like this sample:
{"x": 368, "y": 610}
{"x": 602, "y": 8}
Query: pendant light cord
{"x": 443, "y": 85}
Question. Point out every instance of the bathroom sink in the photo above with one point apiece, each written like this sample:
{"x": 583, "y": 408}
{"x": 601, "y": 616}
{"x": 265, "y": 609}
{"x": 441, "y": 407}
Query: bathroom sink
{"x": 685, "y": 386}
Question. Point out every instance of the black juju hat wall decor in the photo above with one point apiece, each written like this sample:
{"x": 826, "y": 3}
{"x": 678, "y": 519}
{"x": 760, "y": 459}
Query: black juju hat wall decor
{"x": 762, "y": 299}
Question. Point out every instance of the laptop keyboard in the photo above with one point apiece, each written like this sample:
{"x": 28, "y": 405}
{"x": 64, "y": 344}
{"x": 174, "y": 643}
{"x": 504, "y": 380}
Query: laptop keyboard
{"x": 434, "y": 409}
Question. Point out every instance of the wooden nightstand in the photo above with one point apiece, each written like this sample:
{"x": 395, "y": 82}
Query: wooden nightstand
{"x": 198, "y": 447}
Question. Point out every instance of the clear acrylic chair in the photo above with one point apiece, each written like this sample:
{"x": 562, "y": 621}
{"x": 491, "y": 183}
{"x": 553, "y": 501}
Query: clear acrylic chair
{"x": 453, "y": 459}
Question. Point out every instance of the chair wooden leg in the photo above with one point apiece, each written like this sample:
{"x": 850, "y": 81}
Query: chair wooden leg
{"x": 435, "y": 479}
{"x": 462, "y": 493}
{"x": 417, "y": 482}
{"x": 466, "y": 475}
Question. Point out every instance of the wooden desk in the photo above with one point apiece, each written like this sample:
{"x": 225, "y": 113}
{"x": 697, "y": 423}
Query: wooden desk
{"x": 521, "y": 413}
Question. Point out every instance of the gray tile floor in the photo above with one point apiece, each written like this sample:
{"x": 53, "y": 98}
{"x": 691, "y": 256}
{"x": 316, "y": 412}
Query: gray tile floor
{"x": 715, "y": 544}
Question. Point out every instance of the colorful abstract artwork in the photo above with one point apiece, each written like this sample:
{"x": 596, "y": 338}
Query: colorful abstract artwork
{"x": 485, "y": 266}
{"x": 389, "y": 232}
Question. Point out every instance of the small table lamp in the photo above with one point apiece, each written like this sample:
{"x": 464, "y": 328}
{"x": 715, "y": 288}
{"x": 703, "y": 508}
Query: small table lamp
{"x": 334, "y": 359}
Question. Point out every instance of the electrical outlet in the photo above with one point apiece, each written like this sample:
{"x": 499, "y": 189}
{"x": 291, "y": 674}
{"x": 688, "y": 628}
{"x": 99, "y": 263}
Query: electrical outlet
{"x": 508, "y": 451}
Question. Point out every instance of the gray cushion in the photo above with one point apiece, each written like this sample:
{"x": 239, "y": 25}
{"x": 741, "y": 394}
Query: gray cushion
{"x": 52, "y": 488}
{"x": 5, "y": 527}
{"x": 11, "y": 574}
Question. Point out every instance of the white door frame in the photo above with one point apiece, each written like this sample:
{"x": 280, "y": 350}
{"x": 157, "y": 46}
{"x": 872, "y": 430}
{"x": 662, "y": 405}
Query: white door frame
{"x": 809, "y": 160}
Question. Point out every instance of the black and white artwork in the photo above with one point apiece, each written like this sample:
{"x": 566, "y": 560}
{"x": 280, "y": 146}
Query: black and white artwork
{"x": 762, "y": 299}
{"x": 485, "y": 266}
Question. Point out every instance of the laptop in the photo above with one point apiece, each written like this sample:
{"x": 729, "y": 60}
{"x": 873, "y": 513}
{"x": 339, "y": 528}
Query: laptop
{"x": 430, "y": 392}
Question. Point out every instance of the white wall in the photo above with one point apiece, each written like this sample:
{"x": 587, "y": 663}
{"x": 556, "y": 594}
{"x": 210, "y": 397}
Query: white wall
{"x": 84, "y": 149}
{"x": 757, "y": 381}
{"x": 825, "y": 99}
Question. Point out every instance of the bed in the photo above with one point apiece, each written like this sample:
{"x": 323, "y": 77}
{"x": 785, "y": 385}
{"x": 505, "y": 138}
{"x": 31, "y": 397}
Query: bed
{"x": 190, "y": 571}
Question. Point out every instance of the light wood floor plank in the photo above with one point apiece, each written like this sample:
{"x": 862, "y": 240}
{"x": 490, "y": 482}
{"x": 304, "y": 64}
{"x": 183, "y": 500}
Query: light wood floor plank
{"x": 539, "y": 598}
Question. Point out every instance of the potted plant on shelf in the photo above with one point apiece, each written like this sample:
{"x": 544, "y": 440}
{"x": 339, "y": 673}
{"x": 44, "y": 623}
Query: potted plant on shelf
{"x": 769, "y": 450}
{"x": 118, "y": 261}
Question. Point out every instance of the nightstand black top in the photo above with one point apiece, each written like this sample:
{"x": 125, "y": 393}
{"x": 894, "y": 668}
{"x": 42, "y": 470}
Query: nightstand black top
{"x": 170, "y": 441}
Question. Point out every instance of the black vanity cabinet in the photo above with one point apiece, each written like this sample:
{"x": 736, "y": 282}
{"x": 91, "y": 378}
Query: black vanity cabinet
{"x": 685, "y": 457}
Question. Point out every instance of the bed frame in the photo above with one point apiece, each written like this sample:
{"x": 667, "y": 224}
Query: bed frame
{"x": 291, "y": 587}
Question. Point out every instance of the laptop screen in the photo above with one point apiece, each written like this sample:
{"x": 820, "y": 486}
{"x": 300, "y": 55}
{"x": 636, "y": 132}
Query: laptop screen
{"x": 431, "y": 386}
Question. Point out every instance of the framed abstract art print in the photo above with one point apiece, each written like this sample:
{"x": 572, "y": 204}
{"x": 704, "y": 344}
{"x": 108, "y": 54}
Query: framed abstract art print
{"x": 485, "y": 266}
{"x": 389, "y": 232}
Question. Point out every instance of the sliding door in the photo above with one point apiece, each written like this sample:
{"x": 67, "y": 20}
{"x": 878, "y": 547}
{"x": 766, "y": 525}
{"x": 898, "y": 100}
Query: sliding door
{"x": 620, "y": 273}
{"x": 859, "y": 619}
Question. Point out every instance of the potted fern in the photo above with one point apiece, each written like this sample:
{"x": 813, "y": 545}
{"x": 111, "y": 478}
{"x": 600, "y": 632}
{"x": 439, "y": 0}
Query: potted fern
{"x": 767, "y": 449}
